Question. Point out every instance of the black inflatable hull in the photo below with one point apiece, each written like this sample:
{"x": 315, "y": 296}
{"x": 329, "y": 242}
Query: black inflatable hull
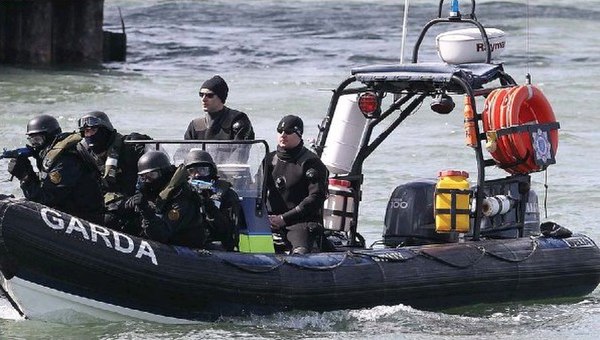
{"x": 50, "y": 249}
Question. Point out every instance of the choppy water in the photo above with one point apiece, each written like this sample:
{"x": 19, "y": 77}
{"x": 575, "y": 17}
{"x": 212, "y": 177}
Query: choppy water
{"x": 282, "y": 57}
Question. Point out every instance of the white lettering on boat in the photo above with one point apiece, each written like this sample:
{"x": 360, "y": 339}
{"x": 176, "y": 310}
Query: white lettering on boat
{"x": 75, "y": 225}
{"x": 96, "y": 231}
{"x": 119, "y": 246}
{"x": 92, "y": 232}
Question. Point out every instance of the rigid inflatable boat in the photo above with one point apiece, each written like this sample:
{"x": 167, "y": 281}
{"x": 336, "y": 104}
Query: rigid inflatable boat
{"x": 457, "y": 240}
{"x": 53, "y": 262}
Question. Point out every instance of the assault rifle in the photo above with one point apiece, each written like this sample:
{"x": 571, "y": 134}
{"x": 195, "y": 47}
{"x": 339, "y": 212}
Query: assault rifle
{"x": 205, "y": 190}
{"x": 202, "y": 186}
{"x": 19, "y": 152}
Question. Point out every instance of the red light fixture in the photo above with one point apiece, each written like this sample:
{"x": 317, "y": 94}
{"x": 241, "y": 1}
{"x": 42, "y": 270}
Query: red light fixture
{"x": 368, "y": 103}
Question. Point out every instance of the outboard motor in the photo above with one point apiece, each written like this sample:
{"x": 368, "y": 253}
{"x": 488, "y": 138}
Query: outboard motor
{"x": 409, "y": 217}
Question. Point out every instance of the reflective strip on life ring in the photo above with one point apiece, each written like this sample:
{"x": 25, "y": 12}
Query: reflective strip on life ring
{"x": 492, "y": 123}
{"x": 523, "y": 123}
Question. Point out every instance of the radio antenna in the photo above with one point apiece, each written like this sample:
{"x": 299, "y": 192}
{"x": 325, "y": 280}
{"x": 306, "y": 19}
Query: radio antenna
{"x": 404, "y": 30}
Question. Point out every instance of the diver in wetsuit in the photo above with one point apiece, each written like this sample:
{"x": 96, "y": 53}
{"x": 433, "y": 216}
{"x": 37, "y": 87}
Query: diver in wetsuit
{"x": 221, "y": 123}
{"x": 296, "y": 188}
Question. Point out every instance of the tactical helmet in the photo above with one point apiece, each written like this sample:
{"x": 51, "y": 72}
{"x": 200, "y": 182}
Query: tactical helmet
{"x": 43, "y": 124}
{"x": 95, "y": 118}
{"x": 198, "y": 157}
{"x": 153, "y": 160}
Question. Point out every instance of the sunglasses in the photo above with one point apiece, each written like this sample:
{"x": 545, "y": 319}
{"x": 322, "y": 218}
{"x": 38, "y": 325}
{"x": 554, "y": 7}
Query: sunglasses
{"x": 206, "y": 94}
{"x": 287, "y": 131}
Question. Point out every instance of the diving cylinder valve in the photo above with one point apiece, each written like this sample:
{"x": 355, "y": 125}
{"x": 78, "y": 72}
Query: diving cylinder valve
{"x": 339, "y": 206}
{"x": 452, "y": 202}
{"x": 345, "y": 134}
{"x": 496, "y": 205}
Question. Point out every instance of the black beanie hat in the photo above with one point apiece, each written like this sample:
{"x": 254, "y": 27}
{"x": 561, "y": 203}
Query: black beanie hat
{"x": 218, "y": 86}
{"x": 291, "y": 123}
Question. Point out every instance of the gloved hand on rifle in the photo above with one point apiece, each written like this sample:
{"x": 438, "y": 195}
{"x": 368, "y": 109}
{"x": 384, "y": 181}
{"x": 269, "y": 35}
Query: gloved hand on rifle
{"x": 136, "y": 203}
{"x": 20, "y": 167}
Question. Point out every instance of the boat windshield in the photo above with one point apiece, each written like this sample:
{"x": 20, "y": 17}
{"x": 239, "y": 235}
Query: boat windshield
{"x": 238, "y": 162}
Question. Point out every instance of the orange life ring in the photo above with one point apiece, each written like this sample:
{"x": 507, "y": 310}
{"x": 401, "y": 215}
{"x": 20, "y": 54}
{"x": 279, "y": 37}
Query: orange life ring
{"x": 492, "y": 123}
{"x": 515, "y": 162}
{"x": 511, "y": 114}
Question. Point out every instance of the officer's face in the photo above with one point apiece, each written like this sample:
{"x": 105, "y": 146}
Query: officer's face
{"x": 36, "y": 140}
{"x": 288, "y": 139}
{"x": 89, "y": 131}
{"x": 198, "y": 172}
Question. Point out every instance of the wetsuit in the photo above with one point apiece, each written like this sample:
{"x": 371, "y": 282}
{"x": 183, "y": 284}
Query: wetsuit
{"x": 296, "y": 189}
{"x": 227, "y": 124}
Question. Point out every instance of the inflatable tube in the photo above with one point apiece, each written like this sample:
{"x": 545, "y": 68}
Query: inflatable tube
{"x": 61, "y": 262}
{"x": 521, "y": 129}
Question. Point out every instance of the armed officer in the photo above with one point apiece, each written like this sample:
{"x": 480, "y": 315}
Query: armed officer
{"x": 171, "y": 211}
{"x": 296, "y": 188}
{"x": 202, "y": 172}
{"x": 117, "y": 163}
{"x": 68, "y": 179}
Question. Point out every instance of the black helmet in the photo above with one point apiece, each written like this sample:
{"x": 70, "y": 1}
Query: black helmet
{"x": 41, "y": 131}
{"x": 197, "y": 157}
{"x": 43, "y": 124}
{"x": 95, "y": 118}
{"x": 153, "y": 160}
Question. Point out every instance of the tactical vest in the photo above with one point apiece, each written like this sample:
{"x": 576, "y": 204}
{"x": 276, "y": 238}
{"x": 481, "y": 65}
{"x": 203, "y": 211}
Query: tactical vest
{"x": 111, "y": 165}
{"x": 66, "y": 143}
{"x": 179, "y": 177}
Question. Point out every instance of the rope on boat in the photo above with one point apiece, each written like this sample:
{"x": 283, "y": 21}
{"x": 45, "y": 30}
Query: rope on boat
{"x": 347, "y": 254}
{"x": 254, "y": 269}
{"x": 533, "y": 250}
{"x": 481, "y": 250}
{"x": 265, "y": 269}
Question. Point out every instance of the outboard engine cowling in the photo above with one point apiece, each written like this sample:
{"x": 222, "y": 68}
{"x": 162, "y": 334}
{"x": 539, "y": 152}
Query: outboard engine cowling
{"x": 409, "y": 216}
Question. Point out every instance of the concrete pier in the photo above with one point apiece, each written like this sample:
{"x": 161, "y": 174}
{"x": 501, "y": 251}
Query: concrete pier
{"x": 45, "y": 32}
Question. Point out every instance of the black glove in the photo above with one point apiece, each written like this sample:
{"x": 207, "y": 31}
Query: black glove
{"x": 20, "y": 167}
{"x": 135, "y": 202}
